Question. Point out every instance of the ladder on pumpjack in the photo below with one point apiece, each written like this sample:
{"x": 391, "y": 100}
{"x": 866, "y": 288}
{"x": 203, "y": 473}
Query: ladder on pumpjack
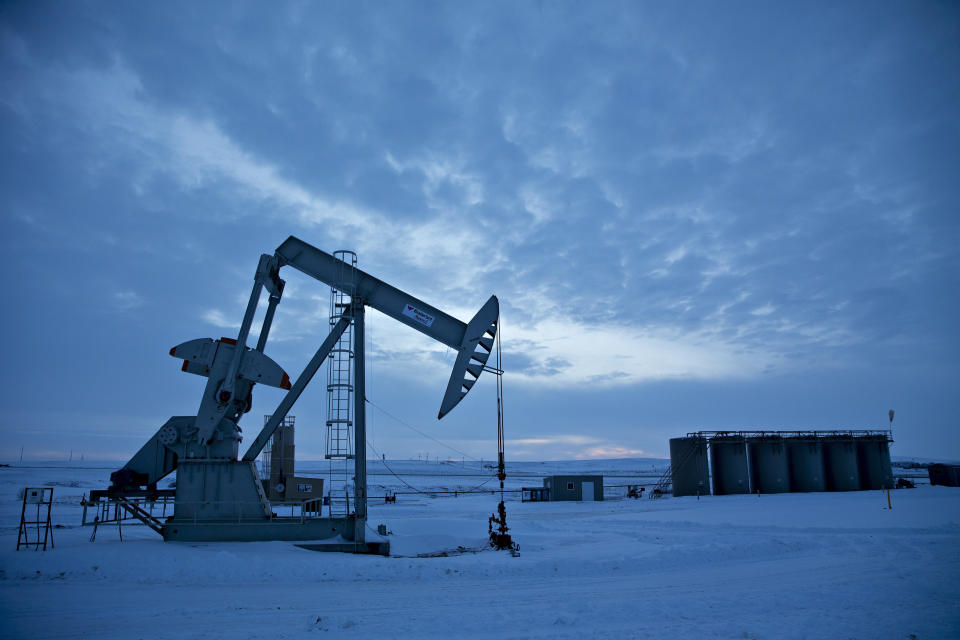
{"x": 340, "y": 371}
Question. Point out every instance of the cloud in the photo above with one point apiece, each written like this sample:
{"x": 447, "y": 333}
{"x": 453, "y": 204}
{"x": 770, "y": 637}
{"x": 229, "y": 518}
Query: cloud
{"x": 690, "y": 246}
{"x": 199, "y": 154}
{"x": 126, "y": 300}
{"x": 195, "y": 150}
{"x": 441, "y": 171}
{"x": 593, "y": 453}
{"x": 602, "y": 355}
{"x": 219, "y": 320}
{"x": 557, "y": 446}
{"x": 650, "y": 199}
{"x": 557, "y": 439}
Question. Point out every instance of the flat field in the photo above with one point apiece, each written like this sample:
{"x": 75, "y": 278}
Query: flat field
{"x": 828, "y": 565}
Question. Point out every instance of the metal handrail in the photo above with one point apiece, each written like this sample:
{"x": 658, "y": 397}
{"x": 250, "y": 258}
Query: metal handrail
{"x": 794, "y": 433}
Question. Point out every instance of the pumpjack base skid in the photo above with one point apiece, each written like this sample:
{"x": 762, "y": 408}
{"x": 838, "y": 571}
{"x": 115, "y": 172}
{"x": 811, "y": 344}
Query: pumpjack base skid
{"x": 284, "y": 529}
{"x": 321, "y": 534}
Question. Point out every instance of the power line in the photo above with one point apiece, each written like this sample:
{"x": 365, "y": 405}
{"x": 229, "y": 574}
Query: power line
{"x": 425, "y": 435}
{"x": 383, "y": 461}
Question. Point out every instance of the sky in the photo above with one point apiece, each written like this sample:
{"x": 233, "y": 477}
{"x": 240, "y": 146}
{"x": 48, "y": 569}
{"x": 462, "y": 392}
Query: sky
{"x": 695, "y": 215}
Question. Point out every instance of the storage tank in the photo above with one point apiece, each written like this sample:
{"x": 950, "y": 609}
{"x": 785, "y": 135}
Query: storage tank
{"x": 807, "y": 472}
{"x": 688, "y": 466}
{"x": 946, "y": 475}
{"x": 769, "y": 469}
{"x": 873, "y": 457}
{"x": 728, "y": 465}
{"x": 840, "y": 460}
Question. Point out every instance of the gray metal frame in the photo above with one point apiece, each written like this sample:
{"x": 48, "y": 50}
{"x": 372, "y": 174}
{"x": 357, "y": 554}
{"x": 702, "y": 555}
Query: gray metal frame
{"x": 795, "y": 433}
{"x": 36, "y": 497}
{"x": 219, "y": 497}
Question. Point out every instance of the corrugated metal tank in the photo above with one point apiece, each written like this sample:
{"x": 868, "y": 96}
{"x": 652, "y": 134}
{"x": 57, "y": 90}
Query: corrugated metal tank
{"x": 946, "y": 475}
{"x": 688, "y": 467}
{"x": 873, "y": 457}
{"x": 728, "y": 465}
{"x": 807, "y": 472}
{"x": 840, "y": 460}
{"x": 769, "y": 469}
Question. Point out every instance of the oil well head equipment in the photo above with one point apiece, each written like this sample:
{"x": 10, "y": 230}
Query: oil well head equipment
{"x": 218, "y": 495}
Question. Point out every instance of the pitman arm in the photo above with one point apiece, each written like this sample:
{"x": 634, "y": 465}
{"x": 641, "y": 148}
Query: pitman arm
{"x": 230, "y": 394}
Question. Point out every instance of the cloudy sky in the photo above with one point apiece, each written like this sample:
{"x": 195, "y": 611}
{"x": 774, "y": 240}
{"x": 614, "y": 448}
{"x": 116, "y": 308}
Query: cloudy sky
{"x": 695, "y": 215}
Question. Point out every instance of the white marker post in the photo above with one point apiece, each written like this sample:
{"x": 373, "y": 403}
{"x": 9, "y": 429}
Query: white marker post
{"x": 890, "y": 504}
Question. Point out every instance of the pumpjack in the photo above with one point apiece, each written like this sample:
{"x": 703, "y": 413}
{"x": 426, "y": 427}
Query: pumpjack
{"x": 218, "y": 496}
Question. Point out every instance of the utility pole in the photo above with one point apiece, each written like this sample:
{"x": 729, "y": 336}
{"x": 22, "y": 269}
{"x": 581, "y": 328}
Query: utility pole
{"x": 890, "y": 415}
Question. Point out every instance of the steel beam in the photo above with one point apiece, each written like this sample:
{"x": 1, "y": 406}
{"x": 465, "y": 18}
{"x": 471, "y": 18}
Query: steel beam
{"x": 359, "y": 422}
{"x": 287, "y": 403}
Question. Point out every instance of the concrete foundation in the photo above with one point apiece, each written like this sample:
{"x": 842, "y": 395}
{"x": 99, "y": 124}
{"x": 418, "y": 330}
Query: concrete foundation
{"x": 252, "y": 530}
{"x": 219, "y": 490}
{"x": 222, "y": 500}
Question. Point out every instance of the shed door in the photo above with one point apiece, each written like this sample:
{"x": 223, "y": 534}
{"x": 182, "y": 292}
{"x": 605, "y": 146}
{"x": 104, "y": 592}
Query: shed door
{"x": 586, "y": 489}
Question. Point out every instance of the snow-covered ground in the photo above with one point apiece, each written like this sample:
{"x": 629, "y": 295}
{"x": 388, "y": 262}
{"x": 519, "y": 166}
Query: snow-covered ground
{"x": 830, "y": 565}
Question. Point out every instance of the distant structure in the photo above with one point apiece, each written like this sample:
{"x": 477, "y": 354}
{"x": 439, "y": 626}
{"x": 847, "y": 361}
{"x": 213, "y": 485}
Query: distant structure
{"x": 570, "y": 488}
{"x": 277, "y": 472}
{"x": 780, "y": 461}
{"x": 947, "y": 475}
{"x": 36, "y": 529}
{"x": 535, "y": 494}
{"x": 691, "y": 477}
